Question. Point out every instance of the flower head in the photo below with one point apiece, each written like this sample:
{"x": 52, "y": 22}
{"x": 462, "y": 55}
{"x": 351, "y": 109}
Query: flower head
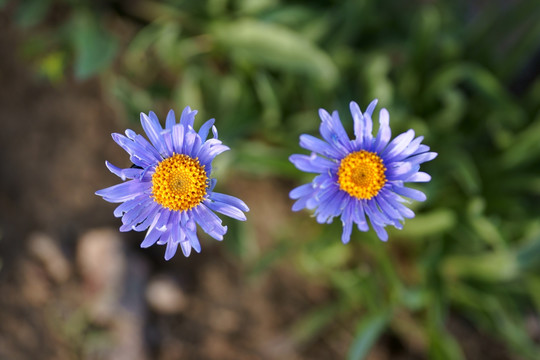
{"x": 363, "y": 178}
{"x": 170, "y": 190}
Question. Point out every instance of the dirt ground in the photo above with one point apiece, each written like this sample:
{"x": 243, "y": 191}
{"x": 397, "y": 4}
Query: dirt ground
{"x": 73, "y": 287}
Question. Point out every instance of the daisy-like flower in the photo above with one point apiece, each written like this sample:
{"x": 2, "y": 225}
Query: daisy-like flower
{"x": 363, "y": 178}
{"x": 169, "y": 190}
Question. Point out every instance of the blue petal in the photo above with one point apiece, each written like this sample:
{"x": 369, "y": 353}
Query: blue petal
{"x": 186, "y": 248}
{"x": 191, "y": 233}
{"x": 194, "y": 241}
{"x": 164, "y": 237}
{"x": 419, "y": 177}
{"x": 178, "y": 138}
{"x": 359, "y": 215}
{"x": 189, "y": 140}
{"x": 168, "y": 143}
{"x": 333, "y": 132}
{"x": 152, "y": 236}
{"x": 333, "y": 205}
{"x": 171, "y": 120}
{"x": 396, "y": 201}
{"x": 358, "y": 120}
{"x": 312, "y": 163}
{"x": 228, "y": 199}
{"x": 171, "y": 248}
{"x": 347, "y": 221}
{"x": 153, "y": 129}
{"x": 207, "y": 153}
{"x": 227, "y": 210}
{"x": 380, "y": 231}
{"x": 300, "y": 204}
{"x": 205, "y": 128}
{"x": 139, "y": 155}
{"x": 363, "y": 125}
{"x": 157, "y": 228}
{"x": 209, "y": 222}
{"x": 138, "y": 214}
{"x": 371, "y": 107}
{"x": 195, "y": 148}
{"x": 412, "y": 148}
{"x": 149, "y": 218}
{"x": 421, "y": 149}
{"x": 211, "y": 185}
{"x": 374, "y": 214}
{"x": 368, "y": 132}
{"x": 317, "y": 145}
{"x": 124, "y": 191}
{"x": 410, "y": 193}
{"x": 422, "y": 158}
{"x": 188, "y": 117}
{"x": 163, "y": 222}
{"x": 176, "y": 235}
{"x": 144, "y": 144}
{"x": 397, "y": 145}
{"x": 388, "y": 209}
{"x": 130, "y": 204}
{"x": 321, "y": 196}
{"x": 385, "y": 133}
{"x": 347, "y": 230}
{"x": 129, "y": 173}
{"x": 397, "y": 169}
{"x": 301, "y": 191}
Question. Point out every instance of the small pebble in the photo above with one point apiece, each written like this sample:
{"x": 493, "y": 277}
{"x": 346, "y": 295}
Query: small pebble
{"x": 45, "y": 249}
{"x": 165, "y": 296}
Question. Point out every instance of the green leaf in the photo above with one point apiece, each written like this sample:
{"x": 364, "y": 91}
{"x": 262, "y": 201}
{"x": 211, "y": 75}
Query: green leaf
{"x": 188, "y": 91}
{"x": 493, "y": 266}
{"x": 466, "y": 172}
{"x": 95, "y": 47}
{"x": 443, "y": 346}
{"x": 435, "y": 222}
{"x": 52, "y": 66}
{"x": 376, "y": 70}
{"x": 528, "y": 255}
{"x": 312, "y": 323}
{"x": 263, "y": 159}
{"x": 30, "y": 12}
{"x": 267, "y": 96}
{"x": 368, "y": 332}
{"x": 487, "y": 231}
{"x": 256, "y": 43}
{"x": 271, "y": 256}
{"x": 525, "y": 148}
{"x": 134, "y": 98}
{"x": 453, "y": 75}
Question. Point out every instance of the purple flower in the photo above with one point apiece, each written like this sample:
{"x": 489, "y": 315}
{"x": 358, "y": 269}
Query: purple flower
{"x": 169, "y": 190}
{"x": 363, "y": 178}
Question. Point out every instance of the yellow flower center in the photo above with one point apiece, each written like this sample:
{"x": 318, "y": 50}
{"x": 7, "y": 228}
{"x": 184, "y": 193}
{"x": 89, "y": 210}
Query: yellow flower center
{"x": 361, "y": 174}
{"x": 179, "y": 183}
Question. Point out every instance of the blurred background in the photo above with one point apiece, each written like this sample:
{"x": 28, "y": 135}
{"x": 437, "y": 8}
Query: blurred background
{"x": 460, "y": 281}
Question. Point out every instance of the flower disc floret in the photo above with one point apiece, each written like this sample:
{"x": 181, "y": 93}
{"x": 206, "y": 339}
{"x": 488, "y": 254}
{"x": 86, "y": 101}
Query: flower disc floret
{"x": 361, "y": 174}
{"x": 179, "y": 183}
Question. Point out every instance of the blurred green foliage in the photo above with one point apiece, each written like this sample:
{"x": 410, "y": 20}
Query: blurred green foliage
{"x": 462, "y": 73}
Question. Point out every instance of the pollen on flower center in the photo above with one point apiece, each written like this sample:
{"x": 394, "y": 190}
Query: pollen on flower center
{"x": 179, "y": 183}
{"x": 361, "y": 174}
